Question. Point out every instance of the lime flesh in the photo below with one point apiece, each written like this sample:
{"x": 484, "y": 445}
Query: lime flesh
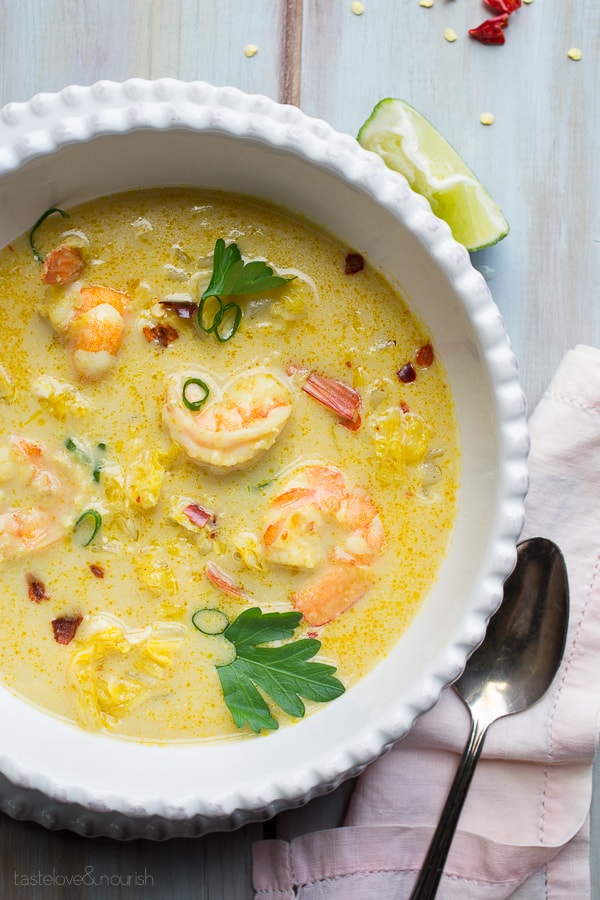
{"x": 408, "y": 143}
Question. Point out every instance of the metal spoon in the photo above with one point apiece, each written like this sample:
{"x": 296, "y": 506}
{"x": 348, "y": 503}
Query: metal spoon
{"x": 508, "y": 673}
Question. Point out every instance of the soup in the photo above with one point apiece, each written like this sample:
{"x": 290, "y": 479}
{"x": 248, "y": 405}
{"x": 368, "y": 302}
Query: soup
{"x": 228, "y": 471}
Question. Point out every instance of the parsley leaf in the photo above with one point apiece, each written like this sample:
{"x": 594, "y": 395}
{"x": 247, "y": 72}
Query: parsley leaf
{"x": 283, "y": 672}
{"x": 232, "y": 276}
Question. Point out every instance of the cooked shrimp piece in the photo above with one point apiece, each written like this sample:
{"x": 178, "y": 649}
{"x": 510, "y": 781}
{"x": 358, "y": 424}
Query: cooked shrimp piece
{"x": 225, "y": 427}
{"x": 45, "y": 494}
{"x": 93, "y": 319}
{"x": 62, "y": 265}
{"x": 318, "y": 522}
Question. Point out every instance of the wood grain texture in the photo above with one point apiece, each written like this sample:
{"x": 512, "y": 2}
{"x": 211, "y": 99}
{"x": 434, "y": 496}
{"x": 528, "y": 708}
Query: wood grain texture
{"x": 538, "y": 159}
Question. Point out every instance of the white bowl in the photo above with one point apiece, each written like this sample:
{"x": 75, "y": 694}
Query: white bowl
{"x": 64, "y": 148}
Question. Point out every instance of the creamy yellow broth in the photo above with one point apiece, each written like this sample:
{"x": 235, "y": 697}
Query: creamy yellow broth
{"x": 136, "y": 666}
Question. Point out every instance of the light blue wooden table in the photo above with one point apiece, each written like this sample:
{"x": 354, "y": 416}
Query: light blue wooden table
{"x": 539, "y": 159}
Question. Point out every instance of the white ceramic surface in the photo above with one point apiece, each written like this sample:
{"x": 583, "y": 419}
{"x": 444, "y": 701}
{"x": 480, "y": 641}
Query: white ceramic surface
{"x": 60, "y": 149}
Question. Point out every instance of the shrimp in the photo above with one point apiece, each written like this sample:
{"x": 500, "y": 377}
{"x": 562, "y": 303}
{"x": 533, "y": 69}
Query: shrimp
{"x": 93, "y": 319}
{"x": 51, "y": 485}
{"x": 62, "y": 265}
{"x": 317, "y": 522}
{"x": 237, "y": 422}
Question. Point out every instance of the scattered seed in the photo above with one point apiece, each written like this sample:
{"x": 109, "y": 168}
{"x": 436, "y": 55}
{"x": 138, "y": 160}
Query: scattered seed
{"x": 250, "y": 50}
{"x": 357, "y": 8}
{"x": 575, "y": 53}
{"x": 487, "y": 118}
{"x": 450, "y": 35}
{"x": 426, "y": 3}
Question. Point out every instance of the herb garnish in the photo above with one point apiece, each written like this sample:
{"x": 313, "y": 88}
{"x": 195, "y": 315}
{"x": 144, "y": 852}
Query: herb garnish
{"x": 42, "y": 218}
{"x": 232, "y": 277}
{"x": 282, "y": 672}
{"x": 96, "y": 461}
{"x": 201, "y": 394}
{"x": 87, "y": 526}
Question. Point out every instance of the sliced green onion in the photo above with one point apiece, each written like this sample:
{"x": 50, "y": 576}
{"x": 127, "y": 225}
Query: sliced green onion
{"x": 77, "y": 451}
{"x": 210, "y": 621}
{"x": 87, "y": 526}
{"x": 42, "y": 218}
{"x": 229, "y": 332}
{"x": 194, "y": 405}
{"x": 208, "y": 320}
{"x": 98, "y": 461}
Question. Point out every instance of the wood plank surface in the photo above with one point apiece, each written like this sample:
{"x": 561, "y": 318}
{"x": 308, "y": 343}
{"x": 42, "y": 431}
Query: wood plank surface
{"x": 538, "y": 159}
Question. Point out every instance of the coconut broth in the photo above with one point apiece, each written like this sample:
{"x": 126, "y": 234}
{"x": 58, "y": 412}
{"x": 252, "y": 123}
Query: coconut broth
{"x": 135, "y": 665}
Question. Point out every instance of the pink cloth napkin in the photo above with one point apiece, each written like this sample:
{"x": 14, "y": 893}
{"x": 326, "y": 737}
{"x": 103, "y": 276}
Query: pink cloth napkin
{"x": 524, "y": 830}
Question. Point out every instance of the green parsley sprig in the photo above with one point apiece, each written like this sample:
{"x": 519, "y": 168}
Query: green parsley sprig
{"x": 232, "y": 277}
{"x": 282, "y": 672}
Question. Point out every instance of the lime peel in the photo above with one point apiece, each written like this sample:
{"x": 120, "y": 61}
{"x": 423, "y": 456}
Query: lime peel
{"x": 408, "y": 143}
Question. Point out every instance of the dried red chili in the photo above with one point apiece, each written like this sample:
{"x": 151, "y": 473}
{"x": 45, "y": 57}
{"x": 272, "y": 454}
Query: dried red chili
{"x": 490, "y": 31}
{"x": 183, "y": 309}
{"x": 198, "y": 515}
{"x": 425, "y": 356}
{"x": 354, "y": 263}
{"x": 161, "y": 334}
{"x": 36, "y": 589}
{"x": 64, "y": 628}
{"x": 504, "y": 6}
{"x": 407, "y": 373}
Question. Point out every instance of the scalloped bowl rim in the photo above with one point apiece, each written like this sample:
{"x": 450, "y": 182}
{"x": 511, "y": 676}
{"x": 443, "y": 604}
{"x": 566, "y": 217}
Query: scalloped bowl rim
{"x": 249, "y": 779}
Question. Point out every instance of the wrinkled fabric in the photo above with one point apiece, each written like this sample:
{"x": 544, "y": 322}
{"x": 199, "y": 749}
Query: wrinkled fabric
{"x": 524, "y": 829}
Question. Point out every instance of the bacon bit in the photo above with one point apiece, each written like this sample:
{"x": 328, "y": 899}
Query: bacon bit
{"x": 491, "y": 31}
{"x": 340, "y": 398}
{"x": 354, "y": 263}
{"x": 160, "y": 334}
{"x": 36, "y": 589}
{"x": 198, "y": 515}
{"x": 182, "y": 308}
{"x": 64, "y": 628}
{"x": 62, "y": 265}
{"x": 407, "y": 373}
{"x": 504, "y": 6}
{"x": 425, "y": 356}
{"x": 224, "y": 582}
{"x": 96, "y": 570}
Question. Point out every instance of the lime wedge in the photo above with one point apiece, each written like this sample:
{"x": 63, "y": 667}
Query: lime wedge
{"x": 409, "y": 143}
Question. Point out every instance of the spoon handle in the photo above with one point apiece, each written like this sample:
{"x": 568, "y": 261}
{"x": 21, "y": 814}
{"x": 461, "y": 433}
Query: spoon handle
{"x": 429, "y": 877}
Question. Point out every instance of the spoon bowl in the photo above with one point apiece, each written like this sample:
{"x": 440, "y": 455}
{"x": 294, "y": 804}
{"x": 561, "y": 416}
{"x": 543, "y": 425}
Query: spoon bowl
{"x": 508, "y": 673}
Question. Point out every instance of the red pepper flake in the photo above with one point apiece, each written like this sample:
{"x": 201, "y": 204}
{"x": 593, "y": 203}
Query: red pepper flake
{"x": 404, "y": 406}
{"x": 64, "y": 628}
{"x": 161, "y": 334}
{"x": 198, "y": 515}
{"x": 504, "y": 6}
{"x": 183, "y": 309}
{"x": 96, "y": 570}
{"x": 36, "y": 589}
{"x": 491, "y": 31}
{"x": 425, "y": 356}
{"x": 407, "y": 373}
{"x": 354, "y": 263}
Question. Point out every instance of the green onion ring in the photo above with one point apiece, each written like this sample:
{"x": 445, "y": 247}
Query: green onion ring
{"x": 210, "y": 621}
{"x": 42, "y": 218}
{"x": 219, "y": 319}
{"x": 96, "y": 518}
{"x": 194, "y": 405}
{"x": 200, "y": 315}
